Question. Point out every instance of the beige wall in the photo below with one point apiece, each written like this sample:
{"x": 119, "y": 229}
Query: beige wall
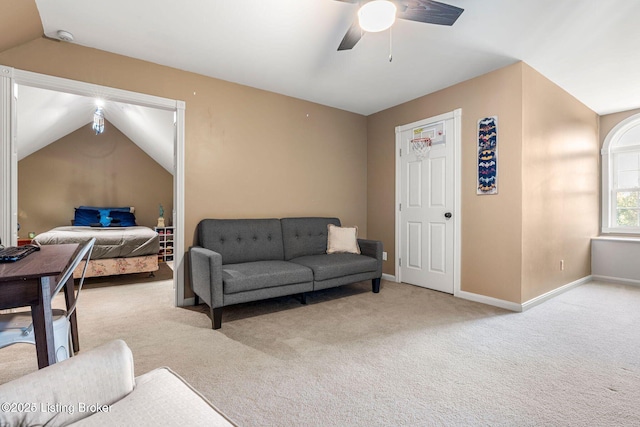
{"x": 248, "y": 152}
{"x": 560, "y": 186}
{"x": 491, "y": 225}
{"x": 19, "y": 23}
{"x": 547, "y": 205}
{"x": 83, "y": 168}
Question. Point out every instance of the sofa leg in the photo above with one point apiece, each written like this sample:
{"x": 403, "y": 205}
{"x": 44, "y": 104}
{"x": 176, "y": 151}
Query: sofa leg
{"x": 375, "y": 285}
{"x": 303, "y": 298}
{"x": 216, "y": 318}
{"x": 196, "y": 299}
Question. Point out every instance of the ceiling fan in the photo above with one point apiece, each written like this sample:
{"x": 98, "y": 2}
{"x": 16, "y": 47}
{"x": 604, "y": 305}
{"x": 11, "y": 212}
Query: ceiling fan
{"x": 427, "y": 11}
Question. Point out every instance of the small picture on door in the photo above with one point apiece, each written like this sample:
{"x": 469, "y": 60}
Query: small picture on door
{"x": 488, "y": 155}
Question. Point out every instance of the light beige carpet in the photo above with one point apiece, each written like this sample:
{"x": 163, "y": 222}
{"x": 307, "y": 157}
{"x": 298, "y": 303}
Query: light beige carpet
{"x": 406, "y": 356}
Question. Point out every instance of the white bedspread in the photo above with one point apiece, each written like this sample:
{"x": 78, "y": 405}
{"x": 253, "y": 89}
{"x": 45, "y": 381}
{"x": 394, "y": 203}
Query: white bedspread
{"x": 111, "y": 242}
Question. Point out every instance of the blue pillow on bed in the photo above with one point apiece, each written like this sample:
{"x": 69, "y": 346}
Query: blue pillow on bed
{"x": 105, "y": 219}
{"x": 122, "y": 219}
{"x": 86, "y": 217}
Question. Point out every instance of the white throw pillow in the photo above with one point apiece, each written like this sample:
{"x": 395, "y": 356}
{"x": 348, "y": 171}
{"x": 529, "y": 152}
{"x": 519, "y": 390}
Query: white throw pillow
{"x": 342, "y": 240}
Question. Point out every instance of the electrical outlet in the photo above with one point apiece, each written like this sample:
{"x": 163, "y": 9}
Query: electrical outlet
{"x": 384, "y": 256}
{"x": 561, "y": 265}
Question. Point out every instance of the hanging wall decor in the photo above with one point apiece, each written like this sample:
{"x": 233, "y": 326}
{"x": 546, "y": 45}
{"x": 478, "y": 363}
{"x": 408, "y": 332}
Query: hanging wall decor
{"x": 488, "y": 155}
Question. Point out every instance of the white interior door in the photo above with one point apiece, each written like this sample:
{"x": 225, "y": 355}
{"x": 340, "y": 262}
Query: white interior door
{"x": 426, "y": 211}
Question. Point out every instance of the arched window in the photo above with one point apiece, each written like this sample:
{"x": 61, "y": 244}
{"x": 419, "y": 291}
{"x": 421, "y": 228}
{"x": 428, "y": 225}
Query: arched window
{"x": 621, "y": 178}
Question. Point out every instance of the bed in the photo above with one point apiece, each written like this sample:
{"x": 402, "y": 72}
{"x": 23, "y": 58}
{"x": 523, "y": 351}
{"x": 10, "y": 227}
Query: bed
{"x": 121, "y": 247}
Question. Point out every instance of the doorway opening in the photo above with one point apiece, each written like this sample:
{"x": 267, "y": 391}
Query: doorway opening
{"x": 11, "y": 79}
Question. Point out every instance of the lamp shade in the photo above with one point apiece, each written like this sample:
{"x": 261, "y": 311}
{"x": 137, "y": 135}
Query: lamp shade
{"x": 377, "y": 15}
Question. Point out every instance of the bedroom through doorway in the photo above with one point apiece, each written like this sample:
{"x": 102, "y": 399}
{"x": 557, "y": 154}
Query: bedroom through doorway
{"x": 59, "y": 163}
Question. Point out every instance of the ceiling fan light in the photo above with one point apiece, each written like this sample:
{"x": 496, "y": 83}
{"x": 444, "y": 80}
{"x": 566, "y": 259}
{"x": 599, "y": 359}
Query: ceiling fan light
{"x": 377, "y": 15}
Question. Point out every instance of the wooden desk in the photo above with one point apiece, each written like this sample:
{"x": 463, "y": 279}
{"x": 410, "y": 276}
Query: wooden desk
{"x": 30, "y": 282}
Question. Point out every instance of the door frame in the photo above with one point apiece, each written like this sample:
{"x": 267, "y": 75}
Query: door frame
{"x": 11, "y": 77}
{"x": 456, "y": 115}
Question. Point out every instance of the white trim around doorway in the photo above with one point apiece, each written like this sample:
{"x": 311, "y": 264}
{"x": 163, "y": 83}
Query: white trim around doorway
{"x": 456, "y": 115}
{"x": 10, "y": 77}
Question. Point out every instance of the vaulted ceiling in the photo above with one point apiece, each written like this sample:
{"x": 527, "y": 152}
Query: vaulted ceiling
{"x": 44, "y": 116}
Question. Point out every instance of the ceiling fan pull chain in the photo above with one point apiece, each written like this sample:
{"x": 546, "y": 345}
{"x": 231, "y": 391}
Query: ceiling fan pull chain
{"x": 390, "y": 46}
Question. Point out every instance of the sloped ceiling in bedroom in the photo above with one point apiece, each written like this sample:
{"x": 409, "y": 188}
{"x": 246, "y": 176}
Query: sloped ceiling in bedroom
{"x": 45, "y": 116}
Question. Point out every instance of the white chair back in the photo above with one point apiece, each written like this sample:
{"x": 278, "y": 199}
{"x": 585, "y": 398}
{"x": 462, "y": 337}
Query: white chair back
{"x": 83, "y": 254}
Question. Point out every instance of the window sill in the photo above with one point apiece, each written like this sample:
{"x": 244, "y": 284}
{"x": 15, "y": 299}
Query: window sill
{"x": 619, "y": 231}
{"x": 617, "y": 238}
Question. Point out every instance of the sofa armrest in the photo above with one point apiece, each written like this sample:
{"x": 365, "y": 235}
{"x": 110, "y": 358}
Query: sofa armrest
{"x": 206, "y": 275}
{"x": 161, "y": 398}
{"x": 101, "y": 376}
{"x": 373, "y": 249}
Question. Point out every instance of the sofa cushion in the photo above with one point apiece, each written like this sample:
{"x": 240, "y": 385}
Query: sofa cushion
{"x": 329, "y": 266}
{"x": 342, "y": 240}
{"x": 249, "y": 276}
{"x": 305, "y": 236}
{"x": 160, "y": 397}
{"x": 242, "y": 240}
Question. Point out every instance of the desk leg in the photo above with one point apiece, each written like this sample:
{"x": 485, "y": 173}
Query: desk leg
{"x": 43, "y": 325}
{"x": 70, "y": 297}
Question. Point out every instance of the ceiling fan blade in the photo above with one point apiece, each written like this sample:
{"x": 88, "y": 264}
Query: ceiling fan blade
{"x": 430, "y": 12}
{"x": 353, "y": 36}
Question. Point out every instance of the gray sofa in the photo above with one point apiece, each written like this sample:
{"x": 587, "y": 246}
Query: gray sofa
{"x": 242, "y": 260}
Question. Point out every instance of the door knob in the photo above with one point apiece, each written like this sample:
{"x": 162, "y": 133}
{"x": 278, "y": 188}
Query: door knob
{"x": 447, "y": 215}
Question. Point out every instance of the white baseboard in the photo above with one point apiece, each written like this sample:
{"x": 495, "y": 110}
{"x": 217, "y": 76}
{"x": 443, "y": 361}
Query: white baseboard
{"x": 188, "y": 302}
{"x": 618, "y": 280}
{"x": 507, "y": 305}
{"x": 389, "y": 277}
{"x": 562, "y": 289}
{"x": 513, "y": 306}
